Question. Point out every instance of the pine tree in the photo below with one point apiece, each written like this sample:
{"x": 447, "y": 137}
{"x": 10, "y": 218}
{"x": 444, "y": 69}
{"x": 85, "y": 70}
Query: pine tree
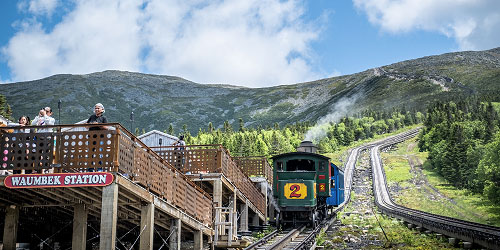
{"x": 171, "y": 129}
{"x": 5, "y": 109}
{"x": 210, "y": 128}
{"x": 490, "y": 118}
{"x": 241, "y": 125}
{"x": 276, "y": 126}
{"x": 227, "y": 127}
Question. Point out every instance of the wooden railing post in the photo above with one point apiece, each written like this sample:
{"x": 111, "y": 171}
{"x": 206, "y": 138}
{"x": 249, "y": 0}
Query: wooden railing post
{"x": 116, "y": 147}
{"x": 57, "y": 151}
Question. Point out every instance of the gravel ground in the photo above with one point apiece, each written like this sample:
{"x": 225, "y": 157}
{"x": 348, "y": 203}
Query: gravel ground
{"x": 361, "y": 208}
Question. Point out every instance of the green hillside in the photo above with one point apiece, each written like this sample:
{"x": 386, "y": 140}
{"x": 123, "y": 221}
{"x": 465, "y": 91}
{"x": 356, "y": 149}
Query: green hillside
{"x": 158, "y": 101}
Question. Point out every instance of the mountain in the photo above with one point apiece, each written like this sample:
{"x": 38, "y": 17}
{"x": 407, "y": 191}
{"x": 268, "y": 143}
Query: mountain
{"x": 158, "y": 100}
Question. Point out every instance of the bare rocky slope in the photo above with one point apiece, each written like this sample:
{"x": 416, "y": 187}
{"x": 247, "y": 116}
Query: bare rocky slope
{"x": 159, "y": 100}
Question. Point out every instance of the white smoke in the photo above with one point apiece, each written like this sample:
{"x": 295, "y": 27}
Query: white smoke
{"x": 340, "y": 109}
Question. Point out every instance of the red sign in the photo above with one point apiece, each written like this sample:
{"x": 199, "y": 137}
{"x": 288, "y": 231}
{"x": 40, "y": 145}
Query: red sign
{"x": 322, "y": 187}
{"x": 58, "y": 180}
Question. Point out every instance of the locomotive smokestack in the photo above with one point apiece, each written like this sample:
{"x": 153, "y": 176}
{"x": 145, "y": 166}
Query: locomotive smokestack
{"x": 307, "y": 146}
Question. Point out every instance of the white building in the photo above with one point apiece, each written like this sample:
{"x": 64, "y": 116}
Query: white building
{"x": 155, "y": 138}
{"x": 3, "y": 121}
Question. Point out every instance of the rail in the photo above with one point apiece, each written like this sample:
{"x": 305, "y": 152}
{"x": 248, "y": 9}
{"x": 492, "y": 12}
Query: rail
{"x": 484, "y": 235}
{"x": 73, "y": 148}
{"x": 203, "y": 159}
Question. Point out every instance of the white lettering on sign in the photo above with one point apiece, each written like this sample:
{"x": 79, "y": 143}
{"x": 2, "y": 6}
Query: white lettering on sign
{"x": 15, "y": 181}
{"x": 55, "y": 180}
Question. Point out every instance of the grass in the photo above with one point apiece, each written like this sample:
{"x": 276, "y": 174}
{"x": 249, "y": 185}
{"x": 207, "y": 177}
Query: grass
{"x": 392, "y": 233}
{"x": 259, "y": 235}
{"x": 439, "y": 196}
{"x": 397, "y": 171}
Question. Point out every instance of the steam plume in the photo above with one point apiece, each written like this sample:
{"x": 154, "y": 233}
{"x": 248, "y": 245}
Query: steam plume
{"x": 341, "y": 108}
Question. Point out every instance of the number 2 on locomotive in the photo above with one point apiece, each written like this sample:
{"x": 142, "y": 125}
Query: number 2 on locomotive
{"x": 295, "y": 191}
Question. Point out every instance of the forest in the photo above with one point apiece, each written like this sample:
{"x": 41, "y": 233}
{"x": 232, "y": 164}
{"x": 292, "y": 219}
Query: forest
{"x": 462, "y": 138}
{"x": 463, "y": 141}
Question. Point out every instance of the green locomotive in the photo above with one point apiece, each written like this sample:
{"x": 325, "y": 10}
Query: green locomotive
{"x": 301, "y": 185}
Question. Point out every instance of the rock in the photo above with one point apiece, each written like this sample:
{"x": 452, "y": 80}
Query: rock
{"x": 354, "y": 239}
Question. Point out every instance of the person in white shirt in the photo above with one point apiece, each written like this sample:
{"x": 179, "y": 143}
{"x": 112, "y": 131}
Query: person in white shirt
{"x": 43, "y": 119}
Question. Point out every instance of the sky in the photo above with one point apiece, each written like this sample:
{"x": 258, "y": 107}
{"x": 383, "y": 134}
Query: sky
{"x": 253, "y": 43}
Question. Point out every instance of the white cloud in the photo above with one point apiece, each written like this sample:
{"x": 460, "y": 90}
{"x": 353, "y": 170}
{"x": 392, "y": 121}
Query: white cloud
{"x": 474, "y": 24}
{"x": 253, "y": 43}
{"x": 38, "y": 7}
{"x": 97, "y": 35}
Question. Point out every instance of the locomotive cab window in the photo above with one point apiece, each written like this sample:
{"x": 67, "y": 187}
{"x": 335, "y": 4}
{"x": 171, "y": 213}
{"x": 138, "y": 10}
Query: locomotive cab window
{"x": 300, "y": 165}
{"x": 322, "y": 166}
{"x": 279, "y": 165}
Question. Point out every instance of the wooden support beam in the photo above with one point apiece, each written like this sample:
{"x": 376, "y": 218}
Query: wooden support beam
{"x": 10, "y": 227}
{"x": 147, "y": 226}
{"x": 244, "y": 217}
{"x": 235, "y": 214}
{"x": 198, "y": 240}
{"x": 109, "y": 217}
{"x": 79, "y": 241}
{"x": 255, "y": 220}
{"x": 175, "y": 235}
{"x": 217, "y": 195}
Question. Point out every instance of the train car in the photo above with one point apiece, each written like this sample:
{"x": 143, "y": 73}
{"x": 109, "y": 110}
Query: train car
{"x": 336, "y": 186}
{"x": 301, "y": 185}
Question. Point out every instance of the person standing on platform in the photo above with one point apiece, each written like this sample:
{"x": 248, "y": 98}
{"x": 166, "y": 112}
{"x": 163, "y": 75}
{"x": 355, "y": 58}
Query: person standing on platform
{"x": 179, "y": 150}
{"x": 49, "y": 120}
{"x": 43, "y": 119}
{"x": 98, "y": 117}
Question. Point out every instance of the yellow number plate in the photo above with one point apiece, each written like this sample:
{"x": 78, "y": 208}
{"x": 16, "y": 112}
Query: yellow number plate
{"x": 295, "y": 191}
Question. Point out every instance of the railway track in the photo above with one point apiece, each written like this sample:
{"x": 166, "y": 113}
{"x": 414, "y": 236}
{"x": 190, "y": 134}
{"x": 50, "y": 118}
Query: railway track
{"x": 480, "y": 234}
{"x": 293, "y": 239}
{"x": 305, "y": 238}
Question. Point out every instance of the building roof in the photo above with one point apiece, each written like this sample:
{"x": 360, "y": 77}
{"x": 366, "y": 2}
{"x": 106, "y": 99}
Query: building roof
{"x": 300, "y": 154}
{"x": 158, "y": 133}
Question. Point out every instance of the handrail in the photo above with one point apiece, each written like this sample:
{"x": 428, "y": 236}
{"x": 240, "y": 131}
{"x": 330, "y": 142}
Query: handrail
{"x": 113, "y": 150}
{"x": 212, "y": 158}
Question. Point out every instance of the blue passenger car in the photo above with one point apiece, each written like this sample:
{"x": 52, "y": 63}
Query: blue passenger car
{"x": 336, "y": 186}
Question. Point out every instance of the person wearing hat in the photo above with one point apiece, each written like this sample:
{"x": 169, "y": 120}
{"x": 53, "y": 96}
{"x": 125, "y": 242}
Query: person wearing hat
{"x": 98, "y": 117}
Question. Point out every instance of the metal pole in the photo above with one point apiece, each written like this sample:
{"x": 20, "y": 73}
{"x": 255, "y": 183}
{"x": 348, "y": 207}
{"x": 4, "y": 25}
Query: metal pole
{"x": 132, "y": 122}
{"x": 59, "y": 108}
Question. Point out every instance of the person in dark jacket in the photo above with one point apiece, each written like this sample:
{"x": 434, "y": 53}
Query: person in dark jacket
{"x": 98, "y": 117}
{"x": 179, "y": 151}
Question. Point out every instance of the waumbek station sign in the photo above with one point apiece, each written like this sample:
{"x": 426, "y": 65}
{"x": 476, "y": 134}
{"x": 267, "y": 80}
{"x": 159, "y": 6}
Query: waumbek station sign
{"x": 58, "y": 180}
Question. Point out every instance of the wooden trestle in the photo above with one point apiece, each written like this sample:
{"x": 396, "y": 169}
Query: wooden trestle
{"x": 157, "y": 196}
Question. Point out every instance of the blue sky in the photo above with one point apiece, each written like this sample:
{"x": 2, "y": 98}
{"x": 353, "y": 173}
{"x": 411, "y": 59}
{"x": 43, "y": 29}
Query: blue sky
{"x": 255, "y": 43}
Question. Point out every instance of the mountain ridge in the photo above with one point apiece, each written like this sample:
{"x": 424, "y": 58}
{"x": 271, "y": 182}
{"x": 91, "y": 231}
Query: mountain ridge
{"x": 160, "y": 100}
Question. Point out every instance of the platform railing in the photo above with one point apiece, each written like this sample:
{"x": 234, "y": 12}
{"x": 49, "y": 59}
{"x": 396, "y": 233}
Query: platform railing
{"x": 202, "y": 159}
{"x": 255, "y": 166}
{"x": 72, "y": 148}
